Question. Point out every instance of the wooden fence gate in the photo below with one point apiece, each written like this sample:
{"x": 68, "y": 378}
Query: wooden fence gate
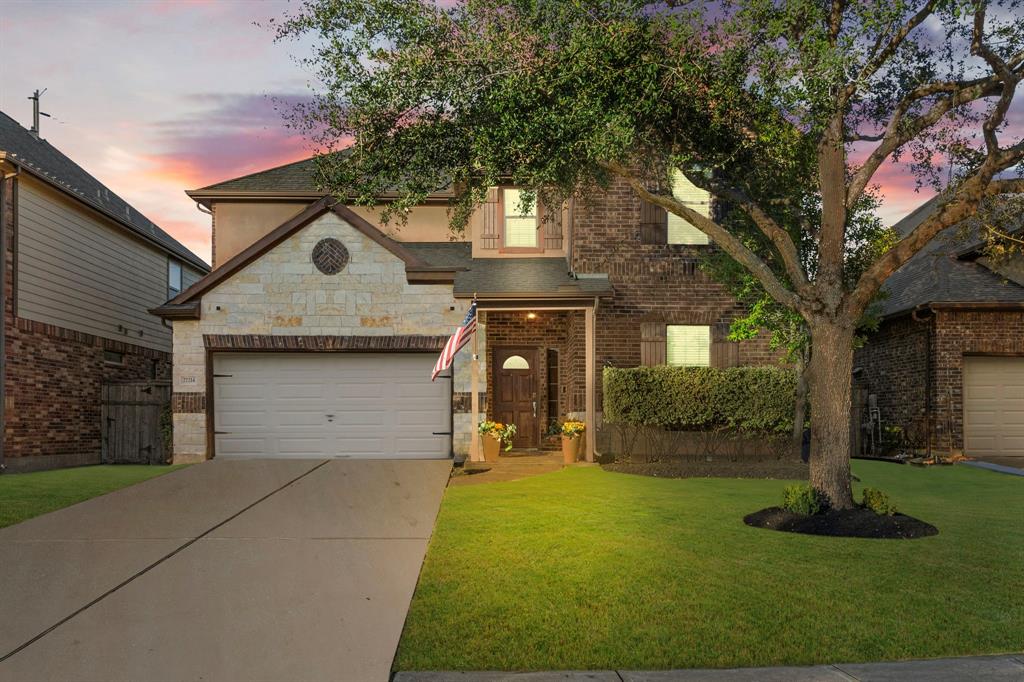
{"x": 131, "y": 422}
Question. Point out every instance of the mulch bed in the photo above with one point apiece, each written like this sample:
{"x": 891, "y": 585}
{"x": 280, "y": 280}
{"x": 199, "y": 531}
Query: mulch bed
{"x": 775, "y": 469}
{"x": 849, "y": 523}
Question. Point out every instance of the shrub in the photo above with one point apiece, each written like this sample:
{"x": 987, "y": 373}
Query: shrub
{"x": 746, "y": 399}
{"x": 878, "y": 502}
{"x": 802, "y": 498}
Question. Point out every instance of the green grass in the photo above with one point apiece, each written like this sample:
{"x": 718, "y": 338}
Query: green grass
{"x": 587, "y": 569}
{"x": 23, "y": 496}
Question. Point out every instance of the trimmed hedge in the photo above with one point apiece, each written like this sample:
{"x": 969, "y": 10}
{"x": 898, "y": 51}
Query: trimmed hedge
{"x": 746, "y": 399}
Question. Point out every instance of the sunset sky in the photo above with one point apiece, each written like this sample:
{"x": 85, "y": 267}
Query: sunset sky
{"x": 157, "y": 97}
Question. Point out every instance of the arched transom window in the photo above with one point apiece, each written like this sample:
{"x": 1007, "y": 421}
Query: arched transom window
{"x": 515, "y": 362}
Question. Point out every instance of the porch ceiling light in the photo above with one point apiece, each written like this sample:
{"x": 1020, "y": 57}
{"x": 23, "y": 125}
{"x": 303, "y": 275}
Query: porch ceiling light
{"x": 531, "y": 316}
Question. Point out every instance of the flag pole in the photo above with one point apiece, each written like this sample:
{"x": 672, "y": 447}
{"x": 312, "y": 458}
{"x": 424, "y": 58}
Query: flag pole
{"x": 474, "y": 393}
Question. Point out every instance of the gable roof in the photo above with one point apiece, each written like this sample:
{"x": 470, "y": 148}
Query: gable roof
{"x": 298, "y": 176}
{"x": 183, "y": 304}
{"x": 44, "y": 161}
{"x": 937, "y": 273}
{"x": 296, "y": 180}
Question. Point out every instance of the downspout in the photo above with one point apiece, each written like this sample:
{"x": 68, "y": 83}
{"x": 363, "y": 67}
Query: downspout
{"x": 569, "y": 235}
{"x": 930, "y": 321}
{"x": 3, "y": 298}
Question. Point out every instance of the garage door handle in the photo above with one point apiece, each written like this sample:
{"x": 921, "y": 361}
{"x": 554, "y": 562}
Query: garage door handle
{"x": 440, "y": 433}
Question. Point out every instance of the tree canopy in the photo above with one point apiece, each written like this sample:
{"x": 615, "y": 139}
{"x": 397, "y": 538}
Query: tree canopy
{"x": 783, "y": 110}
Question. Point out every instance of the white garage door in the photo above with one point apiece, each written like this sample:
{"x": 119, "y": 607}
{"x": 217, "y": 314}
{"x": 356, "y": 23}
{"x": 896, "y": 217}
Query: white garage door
{"x": 994, "y": 406}
{"x": 330, "y": 405}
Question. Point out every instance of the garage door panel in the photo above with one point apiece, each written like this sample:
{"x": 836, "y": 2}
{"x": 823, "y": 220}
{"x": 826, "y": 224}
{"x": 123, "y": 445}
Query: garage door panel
{"x": 361, "y": 419}
{"x": 993, "y": 406}
{"x": 381, "y": 406}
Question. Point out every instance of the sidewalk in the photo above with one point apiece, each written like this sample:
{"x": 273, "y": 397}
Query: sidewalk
{"x": 1008, "y": 668}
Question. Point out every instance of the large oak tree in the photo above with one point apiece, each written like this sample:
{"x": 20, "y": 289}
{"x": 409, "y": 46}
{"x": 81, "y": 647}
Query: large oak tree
{"x": 784, "y": 111}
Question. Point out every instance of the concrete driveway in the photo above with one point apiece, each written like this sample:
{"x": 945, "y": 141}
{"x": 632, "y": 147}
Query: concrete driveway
{"x": 228, "y": 570}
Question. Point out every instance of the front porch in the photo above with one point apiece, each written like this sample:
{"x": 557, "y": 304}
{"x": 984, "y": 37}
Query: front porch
{"x": 536, "y": 358}
{"x": 511, "y": 466}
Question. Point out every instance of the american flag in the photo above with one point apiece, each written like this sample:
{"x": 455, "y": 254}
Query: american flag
{"x": 459, "y": 339}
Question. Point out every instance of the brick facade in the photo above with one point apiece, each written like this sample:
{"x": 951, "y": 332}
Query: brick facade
{"x": 548, "y": 331}
{"x": 895, "y": 365}
{"x": 53, "y": 378}
{"x": 652, "y": 283}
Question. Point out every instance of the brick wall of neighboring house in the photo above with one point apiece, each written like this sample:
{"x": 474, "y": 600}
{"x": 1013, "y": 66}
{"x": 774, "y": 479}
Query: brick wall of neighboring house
{"x": 52, "y": 382}
{"x": 652, "y": 282}
{"x": 893, "y": 364}
{"x": 959, "y": 333}
{"x": 895, "y": 358}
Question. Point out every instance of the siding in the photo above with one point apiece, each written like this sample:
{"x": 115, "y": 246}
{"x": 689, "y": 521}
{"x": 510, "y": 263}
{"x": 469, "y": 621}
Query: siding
{"x": 80, "y": 272}
{"x": 189, "y": 276}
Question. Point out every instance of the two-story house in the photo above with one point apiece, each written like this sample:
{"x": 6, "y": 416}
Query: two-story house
{"x": 81, "y": 269}
{"x": 316, "y": 331}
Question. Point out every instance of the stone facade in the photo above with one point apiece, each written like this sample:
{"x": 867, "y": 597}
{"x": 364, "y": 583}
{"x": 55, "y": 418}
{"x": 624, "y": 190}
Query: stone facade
{"x": 905, "y": 359}
{"x": 282, "y": 294}
{"x": 53, "y": 378}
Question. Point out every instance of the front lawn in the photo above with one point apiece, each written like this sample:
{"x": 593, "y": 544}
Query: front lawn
{"x": 23, "y": 496}
{"x": 588, "y": 569}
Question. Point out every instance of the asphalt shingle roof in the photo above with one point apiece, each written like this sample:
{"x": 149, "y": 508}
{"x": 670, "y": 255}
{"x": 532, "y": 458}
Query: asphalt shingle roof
{"x": 507, "y": 276}
{"x": 936, "y": 275}
{"x": 526, "y": 276}
{"x": 41, "y": 157}
{"x": 299, "y": 176}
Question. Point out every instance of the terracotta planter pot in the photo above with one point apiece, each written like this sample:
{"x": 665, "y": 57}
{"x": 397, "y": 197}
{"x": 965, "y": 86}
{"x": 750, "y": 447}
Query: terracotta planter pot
{"x": 491, "y": 447}
{"x": 571, "y": 448}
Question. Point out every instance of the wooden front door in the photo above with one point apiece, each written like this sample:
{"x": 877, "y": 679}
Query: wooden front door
{"x": 515, "y": 394}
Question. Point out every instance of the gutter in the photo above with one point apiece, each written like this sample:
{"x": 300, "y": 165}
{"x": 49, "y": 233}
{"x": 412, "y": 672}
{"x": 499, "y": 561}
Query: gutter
{"x": 207, "y": 197}
{"x": 4, "y": 177}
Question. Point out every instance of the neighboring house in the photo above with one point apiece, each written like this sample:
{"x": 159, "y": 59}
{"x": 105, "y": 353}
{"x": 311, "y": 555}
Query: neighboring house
{"x": 947, "y": 362}
{"x": 316, "y": 331}
{"x": 81, "y": 269}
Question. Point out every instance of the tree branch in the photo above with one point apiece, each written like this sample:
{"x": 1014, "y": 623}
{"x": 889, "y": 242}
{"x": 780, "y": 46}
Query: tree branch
{"x": 898, "y": 132}
{"x": 880, "y": 57}
{"x": 729, "y": 243}
{"x": 771, "y": 229}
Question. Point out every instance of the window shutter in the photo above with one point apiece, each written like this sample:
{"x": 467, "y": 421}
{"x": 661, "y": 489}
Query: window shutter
{"x": 653, "y": 223}
{"x": 652, "y": 343}
{"x": 486, "y": 221}
{"x": 724, "y": 353}
{"x": 552, "y": 219}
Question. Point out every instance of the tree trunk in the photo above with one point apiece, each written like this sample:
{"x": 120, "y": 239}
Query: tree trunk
{"x": 830, "y": 378}
{"x": 800, "y": 408}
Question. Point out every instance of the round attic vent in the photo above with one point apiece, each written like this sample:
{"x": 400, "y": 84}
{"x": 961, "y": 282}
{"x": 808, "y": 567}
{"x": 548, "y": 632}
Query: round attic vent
{"x": 330, "y": 256}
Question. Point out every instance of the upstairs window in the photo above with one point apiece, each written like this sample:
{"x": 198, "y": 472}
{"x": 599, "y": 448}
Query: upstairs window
{"x": 679, "y": 230}
{"x": 658, "y": 226}
{"x": 173, "y": 278}
{"x": 688, "y": 345}
{"x": 520, "y": 223}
